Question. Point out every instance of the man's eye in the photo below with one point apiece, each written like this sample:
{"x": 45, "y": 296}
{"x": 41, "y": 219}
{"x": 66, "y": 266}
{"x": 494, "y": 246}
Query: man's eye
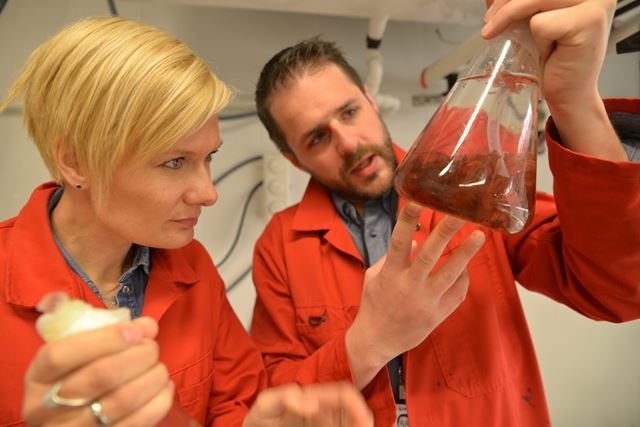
{"x": 318, "y": 137}
{"x": 174, "y": 163}
{"x": 349, "y": 113}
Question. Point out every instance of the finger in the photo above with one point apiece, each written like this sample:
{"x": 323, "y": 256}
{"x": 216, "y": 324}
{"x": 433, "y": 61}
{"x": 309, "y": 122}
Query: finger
{"x": 153, "y": 411}
{"x": 56, "y": 359}
{"x": 374, "y": 269}
{"x": 93, "y": 380}
{"x": 353, "y": 406}
{"x": 455, "y": 295}
{"x": 50, "y": 301}
{"x": 441, "y": 280}
{"x": 431, "y": 250}
{"x": 272, "y": 403}
{"x": 112, "y": 371}
{"x": 495, "y": 6}
{"x": 571, "y": 27}
{"x": 342, "y": 401}
{"x": 514, "y": 11}
{"x": 136, "y": 393}
{"x": 544, "y": 43}
{"x": 399, "y": 251}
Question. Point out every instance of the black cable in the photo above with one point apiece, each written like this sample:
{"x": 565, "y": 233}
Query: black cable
{"x": 3, "y": 3}
{"x": 629, "y": 44}
{"x": 238, "y": 116}
{"x": 240, "y": 226}
{"x": 626, "y": 8}
{"x": 112, "y": 7}
{"x": 225, "y": 174}
{"x": 239, "y": 279}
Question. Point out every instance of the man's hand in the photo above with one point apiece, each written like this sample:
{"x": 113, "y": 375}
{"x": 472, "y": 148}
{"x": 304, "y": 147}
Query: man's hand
{"x": 403, "y": 301}
{"x": 317, "y": 405}
{"x": 571, "y": 36}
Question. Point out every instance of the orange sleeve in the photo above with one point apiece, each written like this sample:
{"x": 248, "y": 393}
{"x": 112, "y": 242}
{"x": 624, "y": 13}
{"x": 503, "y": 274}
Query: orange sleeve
{"x": 238, "y": 370}
{"x": 587, "y": 255}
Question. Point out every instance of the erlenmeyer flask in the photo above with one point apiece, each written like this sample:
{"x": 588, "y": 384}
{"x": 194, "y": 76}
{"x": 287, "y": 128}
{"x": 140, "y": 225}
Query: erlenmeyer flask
{"x": 476, "y": 158}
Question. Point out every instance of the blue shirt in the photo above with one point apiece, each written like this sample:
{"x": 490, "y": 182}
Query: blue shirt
{"x": 370, "y": 234}
{"x": 133, "y": 282}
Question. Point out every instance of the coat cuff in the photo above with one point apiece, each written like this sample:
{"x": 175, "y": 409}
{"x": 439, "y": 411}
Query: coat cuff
{"x": 592, "y": 169}
{"x": 343, "y": 368}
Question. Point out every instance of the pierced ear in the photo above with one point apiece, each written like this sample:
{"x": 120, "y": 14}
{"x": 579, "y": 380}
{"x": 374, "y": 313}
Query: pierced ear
{"x": 68, "y": 165}
{"x": 370, "y": 97}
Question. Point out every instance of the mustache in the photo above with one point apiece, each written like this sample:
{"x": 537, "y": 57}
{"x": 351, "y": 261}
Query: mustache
{"x": 361, "y": 153}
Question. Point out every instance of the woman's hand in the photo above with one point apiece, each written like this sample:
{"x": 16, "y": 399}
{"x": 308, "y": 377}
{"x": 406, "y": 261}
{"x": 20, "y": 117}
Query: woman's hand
{"x": 109, "y": 376}
{"x": 316, "y": 405}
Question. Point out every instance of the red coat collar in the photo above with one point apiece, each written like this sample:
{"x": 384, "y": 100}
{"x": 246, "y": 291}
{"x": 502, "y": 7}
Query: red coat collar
{"x": 35, "y": 266}
{"x": 316, "y": 212}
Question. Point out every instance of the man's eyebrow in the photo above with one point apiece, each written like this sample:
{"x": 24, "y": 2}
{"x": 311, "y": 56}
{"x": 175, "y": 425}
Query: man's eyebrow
{"x": 337, "y": 110}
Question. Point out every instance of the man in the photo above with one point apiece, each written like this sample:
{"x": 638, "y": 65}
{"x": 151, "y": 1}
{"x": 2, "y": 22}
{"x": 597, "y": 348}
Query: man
{"x": 442, "y": 337}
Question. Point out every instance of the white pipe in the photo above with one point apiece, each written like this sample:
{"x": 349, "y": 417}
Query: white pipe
{"x": 623, "y": 26}
{"x": 386, "y": 103}
{"x": 374, "y": 76}
{"x": 451, "y": 61}
{"x": 377, "y": 26}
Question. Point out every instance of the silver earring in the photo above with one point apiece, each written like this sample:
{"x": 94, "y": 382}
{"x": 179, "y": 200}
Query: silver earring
{"x": 78, "y": 186}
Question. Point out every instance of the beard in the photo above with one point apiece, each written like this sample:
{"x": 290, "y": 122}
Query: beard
{"x": 357, "y": 192}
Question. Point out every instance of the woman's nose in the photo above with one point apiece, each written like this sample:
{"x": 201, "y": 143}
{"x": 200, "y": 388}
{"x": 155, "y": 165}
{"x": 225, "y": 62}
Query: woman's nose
{"x": 203, "y": 192}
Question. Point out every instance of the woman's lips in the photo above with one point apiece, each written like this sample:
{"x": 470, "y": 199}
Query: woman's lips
{"x": 187, "y": 222}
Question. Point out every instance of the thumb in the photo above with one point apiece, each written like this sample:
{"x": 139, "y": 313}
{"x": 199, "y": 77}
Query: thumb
{"x": 275, "y": 405}
{"x": 374, "y": 269}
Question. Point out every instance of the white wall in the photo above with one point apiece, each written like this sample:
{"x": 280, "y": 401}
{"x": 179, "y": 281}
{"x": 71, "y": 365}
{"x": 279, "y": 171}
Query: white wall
{"x": 591, "y": 370}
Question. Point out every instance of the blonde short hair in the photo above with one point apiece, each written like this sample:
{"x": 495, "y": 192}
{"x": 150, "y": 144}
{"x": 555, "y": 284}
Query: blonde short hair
{"x": 109, "y": 87}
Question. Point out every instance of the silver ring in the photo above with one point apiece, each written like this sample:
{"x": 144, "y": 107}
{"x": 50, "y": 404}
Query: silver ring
{"x": 52, "y": 400}
{"x": 99, "y": 415}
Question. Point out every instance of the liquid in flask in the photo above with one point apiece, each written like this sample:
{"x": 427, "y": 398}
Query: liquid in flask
{"x": 476, "y": 158}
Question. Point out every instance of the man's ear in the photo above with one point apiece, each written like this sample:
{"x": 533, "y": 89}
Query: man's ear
{"x": 370, "y": 97}
{"x": 293, "y": 159}
{"x": 68, "y": 164}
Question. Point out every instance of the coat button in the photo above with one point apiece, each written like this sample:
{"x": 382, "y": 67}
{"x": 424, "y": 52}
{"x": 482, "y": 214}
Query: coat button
{"x": 317, "y": 320}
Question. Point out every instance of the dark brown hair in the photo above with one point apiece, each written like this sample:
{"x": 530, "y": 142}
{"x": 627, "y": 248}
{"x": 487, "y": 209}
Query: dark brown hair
{"x": 289, "y": 64}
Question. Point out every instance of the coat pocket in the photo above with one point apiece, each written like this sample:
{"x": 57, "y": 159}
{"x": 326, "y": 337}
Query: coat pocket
{"x": 193, "y": 385}
{"x": 469, "y": 343}
{"x": 317, "y": 325}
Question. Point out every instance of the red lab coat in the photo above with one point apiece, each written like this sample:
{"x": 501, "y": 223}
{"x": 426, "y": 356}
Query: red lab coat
{"x": 214, "y": 365}
{"x": 478, "y": 368}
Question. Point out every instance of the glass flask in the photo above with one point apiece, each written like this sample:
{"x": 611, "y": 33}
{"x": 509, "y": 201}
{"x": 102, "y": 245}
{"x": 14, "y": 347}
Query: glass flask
{"x": 476, "y": 158}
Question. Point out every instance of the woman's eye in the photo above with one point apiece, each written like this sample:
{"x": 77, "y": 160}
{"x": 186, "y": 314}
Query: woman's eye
{"x": 174, "y": 163}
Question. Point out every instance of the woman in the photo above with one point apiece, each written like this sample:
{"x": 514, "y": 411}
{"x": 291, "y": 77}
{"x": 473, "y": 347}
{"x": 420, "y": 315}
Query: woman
{"x": 125, "y": 119}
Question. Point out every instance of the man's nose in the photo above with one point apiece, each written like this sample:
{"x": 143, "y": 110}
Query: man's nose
{"x": 345, "y": 142}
